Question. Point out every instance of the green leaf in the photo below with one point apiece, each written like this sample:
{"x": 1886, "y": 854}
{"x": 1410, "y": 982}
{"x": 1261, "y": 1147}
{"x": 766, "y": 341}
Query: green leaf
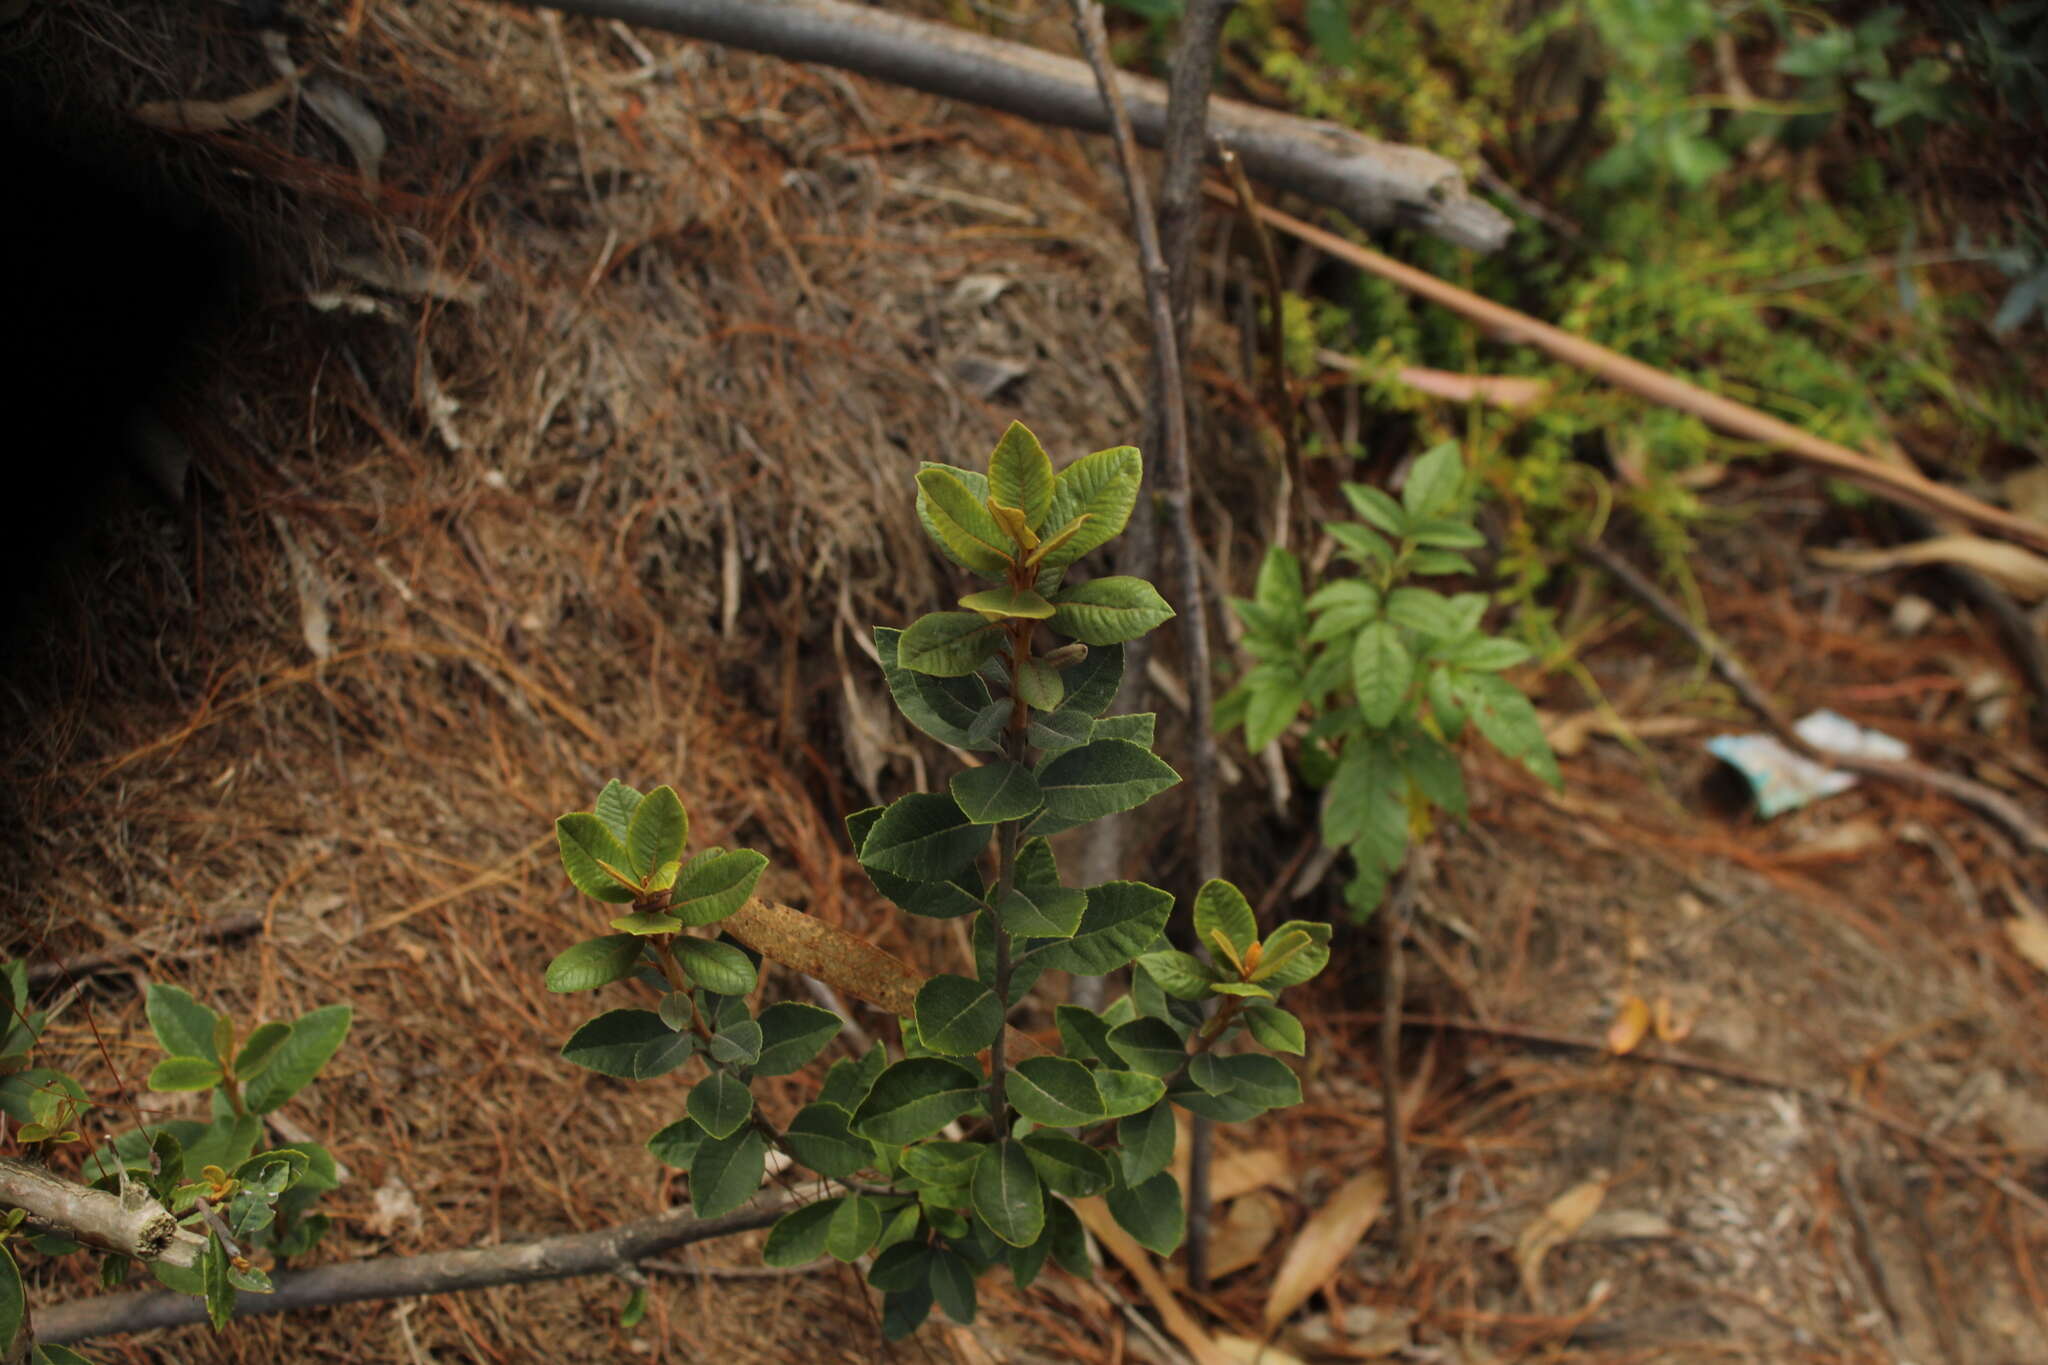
{"x": 943, "y": 708}
{"x": 1055, "y": 1091}
{"x": 615, "y": 807}
{"x": 1100, "y": 778}
{"x": 218, "y": 1290}
{"x": 1423, "y": 610}
{"x": 1068, "y": 1167}
{"x": 1509, "y": 722}
{"x": 1121, "y": 919}
{"x": 50, "y": 1353}
{"x": 1042, "y": 912}
{"x": 261, "y": 1046}
{"x": 1222, "y": 908}
{"x": 1007, "y": 1194}
{"x": 798, "y": 1237}
{"x": 610, "y": 1044}
{"x": 923, "y": 837}
{"x": 942, "y": 1164}
{"x": 726, "y": 1172}
{"x": 952, "y": 1282}
{"x": 1008, "y": 603}
{"x": 1180, "y": 975}
{"x": 1381, "y": 670}
{"x": 183, "y": 1025}
{"x": 956, "y": 1016}
{"x": 1269, "y": 712}
{"x": 1055, "y": 731}
{"x": 659, "y": 829}
{"x": 1092, "y": 683}
{"x": 1284, "y": 964}
{"x": 1359, "y": 543}
{"x": 1442, "y": 690}
{"x": 1040, "y": 685}
{"x": 1145, "y": 1143}
{"x": 1002, "y": 790}
{"x": 646, "y": 924}
{"x": 1127, "y": 1092}
{"x": 792, "y": 1034}
{"x": 1083, "y": 1033}
{"x": 903, "y": 1313}
{"x": 1436, "y": 563}
{"x": 1103, "y": 487}
{"x": 1108, "y": 611}
{"x": 719, "y": 1104}
{"x": 848, "y": 1081}
{"x": 1435, "y": 482}
{"x": 592, "y": 963}
{"x": 715, "y": 966}
{"x": 1149, "y": 1046}
{"x": 1432, "y": 768}
{"x": 903, "y": 1267}
{"x": 174, "y": 1074}
{"x": 597, "y": 863}
{"x": 676, "y": 1145}
{"x": 1151, "y": 1212}
{"x": 1259, "y": 1079}
{"x": 1020, "y": 475}
{"x": 1485, "y": 653}
{"x": 1275, "y": 1028}
{"x": 934, "y": 900}
{"x": 1446, "y": 534}
{"x": 737, "y": 1042}
{"x": 1279, "y": 587}
{"x": 821, "y": 1137}
{"x": 1136, "y": 727}
{"x": 948, "y": 644}
{"x": 954, "y": 514}
{"x": 855, "y": 1225}
{"x": 916, "y": 1097}
{"x": 1377, "y": 509}
{"x": 316, "y": 1036}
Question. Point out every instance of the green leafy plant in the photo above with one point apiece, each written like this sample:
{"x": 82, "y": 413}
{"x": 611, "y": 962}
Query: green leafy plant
{"x": 239, "y": 1206}
{"x": 1391, "y": 672}
{"x": 961, "y": 1154}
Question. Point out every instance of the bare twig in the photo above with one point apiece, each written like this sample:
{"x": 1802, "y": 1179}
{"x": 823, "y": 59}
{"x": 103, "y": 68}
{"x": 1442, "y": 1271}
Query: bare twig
{"x": 1171, "y": 397}
{"x": 1393, "y": 921}
{"x": 85, "y": 964}
{"x": 1894, "y": 483}
{"x": 1996, "y": 804}
{"x": 1375, "y": 183}
{"x": 1276, "y": 330}
{"x": 134, "y": 1225}
{"x": 394, "y": 1277}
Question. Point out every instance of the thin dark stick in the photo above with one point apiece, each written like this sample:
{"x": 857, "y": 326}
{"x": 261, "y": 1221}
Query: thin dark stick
{"x": 84, "y": 964}
{"x": 1393, "y": 920}
{"x": 397, "y": 1277}
{"x": 1276, "y": 321}
{"x": 1192, "y": 65}
{"x": 1194, "y": 615}
{"x": 2000, "y": 807}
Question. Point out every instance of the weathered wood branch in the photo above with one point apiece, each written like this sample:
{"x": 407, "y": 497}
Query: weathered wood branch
{"x": 136, "y": 1226}
{"x": 1376, "y": 183}
{"x": 397, "y": 1277}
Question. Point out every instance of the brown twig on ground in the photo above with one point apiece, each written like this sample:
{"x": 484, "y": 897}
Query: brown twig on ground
{"x": 1728, "y": 1071}
{"x": 86, "y": 964}
{"x": 397, "y": 1277}
{"x": 2001, "y": 808}
{"x": 1171, "y": 396}
{"x": 1904, "y": 486}
{"x": 1393, "y": 920}
{"x": 1376, "y": 183}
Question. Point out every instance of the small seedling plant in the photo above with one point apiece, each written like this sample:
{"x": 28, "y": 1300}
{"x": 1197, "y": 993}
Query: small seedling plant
{"x": 213, "y": 1180}
{"x": 962, "y": 1151}
{"x": 1391, "y": 672}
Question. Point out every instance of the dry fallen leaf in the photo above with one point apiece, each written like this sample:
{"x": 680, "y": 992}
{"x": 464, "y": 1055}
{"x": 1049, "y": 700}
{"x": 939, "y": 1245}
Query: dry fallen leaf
{"x": 1670, "y": 1028}
{"x": 2017, "y": 570}
{"x": 1245, "y": 1351}
{"x": 1631, "y": 1023}
{"x": 1560, "y": 1220}
{"x": 1096, "y": 1217}
{"x": 2029, "y": 939}
{"x": 1237, "y": 1173}
{"x": 1244, "y": 1232}
{"x": 1323, "y": 1242}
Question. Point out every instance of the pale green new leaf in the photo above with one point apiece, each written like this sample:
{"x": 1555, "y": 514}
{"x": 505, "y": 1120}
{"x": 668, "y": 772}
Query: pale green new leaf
{"x": 592, "y": 963}
{"x": 1294, "y": 952}
{"x": 597, "y": 863}
{"x": 1020, "y": 475}
{"x": 615, "y": 807}
{"x": 1006, "y": 603}
{"x": 659, "y": 829}
{"x": 1103, "y": 486}
{"x": 1109, "y": 611}
{"x": 1377, "y": 509}
{"x": 955, "y": 515}
{"x": 174, "y": 1074}
{"x": 1220, "y": 906}
{"x": 1435, "y": 482}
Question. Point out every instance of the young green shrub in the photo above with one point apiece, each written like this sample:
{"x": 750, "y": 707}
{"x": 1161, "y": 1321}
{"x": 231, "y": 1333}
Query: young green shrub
{"x": 1390, "y": 671}
{"x": 962, "y": 1154}
{"x": 250, "y": 1202}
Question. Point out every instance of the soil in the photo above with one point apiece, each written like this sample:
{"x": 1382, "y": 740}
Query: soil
{"x": 578, "y": 446}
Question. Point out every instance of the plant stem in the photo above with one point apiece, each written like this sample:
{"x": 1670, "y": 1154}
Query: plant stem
{"x": 1007, "y": 832}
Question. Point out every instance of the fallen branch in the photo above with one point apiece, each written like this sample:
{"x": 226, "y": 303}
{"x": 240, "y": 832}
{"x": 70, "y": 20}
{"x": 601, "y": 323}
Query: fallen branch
{"x": 85, "y": 964}
{"x": 135, "y": 1225}
{"x": 1996, "y": 804}
{"x": 397, "y": 1277}
{"x": 1376, "y": 183}
{"x": 1907, "y": 487}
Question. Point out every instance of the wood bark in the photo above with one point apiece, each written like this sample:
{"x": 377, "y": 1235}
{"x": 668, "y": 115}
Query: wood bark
{"x": 1378, "y": 184}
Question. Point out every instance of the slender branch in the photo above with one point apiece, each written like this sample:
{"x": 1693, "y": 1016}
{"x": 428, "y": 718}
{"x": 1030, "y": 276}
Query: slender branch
{"x": 395, "y": 1277}
{"x": 1393, "y": 921}
{"x": 1193, "y": 65}
{"x": 1996, "y": 804}
{"x": 1171, "y": 397}
{"x": 1375, "y": 183}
